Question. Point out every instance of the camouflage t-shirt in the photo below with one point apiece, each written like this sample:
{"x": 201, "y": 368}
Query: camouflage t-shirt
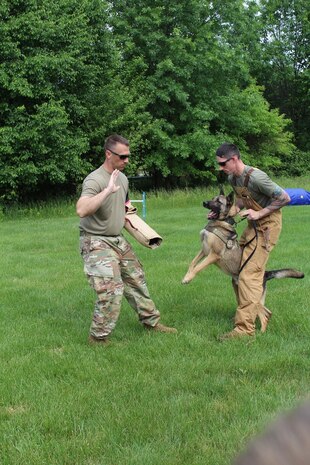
{"x": 262, "y": 188}
{"x": 109, "y": 219}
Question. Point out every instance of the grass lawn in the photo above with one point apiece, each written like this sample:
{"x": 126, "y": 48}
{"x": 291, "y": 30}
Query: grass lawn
{"x": 146, "y": 399}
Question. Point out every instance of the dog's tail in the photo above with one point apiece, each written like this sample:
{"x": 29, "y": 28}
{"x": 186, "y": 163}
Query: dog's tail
{"x": 284, "y": 273}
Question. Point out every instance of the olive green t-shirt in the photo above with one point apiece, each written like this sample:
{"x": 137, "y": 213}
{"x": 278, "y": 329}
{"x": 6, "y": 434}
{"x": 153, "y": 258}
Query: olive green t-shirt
{"x": 262, "y": 188}
{"x": 109, "y": 219}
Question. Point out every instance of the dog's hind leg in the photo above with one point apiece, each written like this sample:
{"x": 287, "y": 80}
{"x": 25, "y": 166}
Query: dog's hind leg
{"x": 265, "y": 315}
{"x": 196, "y": 266}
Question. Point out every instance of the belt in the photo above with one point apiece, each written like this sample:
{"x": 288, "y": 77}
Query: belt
{"x": 86, "y": 234}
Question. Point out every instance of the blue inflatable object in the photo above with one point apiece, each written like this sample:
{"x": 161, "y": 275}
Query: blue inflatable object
{"x": 298, "y": 197}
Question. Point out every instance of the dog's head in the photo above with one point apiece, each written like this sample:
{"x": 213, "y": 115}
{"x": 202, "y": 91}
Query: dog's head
{"x": 221, "y": 206}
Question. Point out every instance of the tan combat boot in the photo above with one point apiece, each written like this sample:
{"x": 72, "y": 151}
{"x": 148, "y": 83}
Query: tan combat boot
{"x": 160, "y": 328}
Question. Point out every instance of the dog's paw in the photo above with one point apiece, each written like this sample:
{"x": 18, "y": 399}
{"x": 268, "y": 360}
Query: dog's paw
{"x": 186, "y": 280}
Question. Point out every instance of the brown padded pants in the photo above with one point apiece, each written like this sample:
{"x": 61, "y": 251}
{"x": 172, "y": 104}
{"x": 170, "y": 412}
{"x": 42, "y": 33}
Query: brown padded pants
{"x": 250, "y": 284}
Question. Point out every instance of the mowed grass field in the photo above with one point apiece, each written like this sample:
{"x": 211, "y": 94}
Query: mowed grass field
{"x": 146, "y": 399}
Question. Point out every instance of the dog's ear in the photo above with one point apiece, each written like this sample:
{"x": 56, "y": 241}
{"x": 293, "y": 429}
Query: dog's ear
{"x": 221, "y": 190}
{"x": 231, "y": 197}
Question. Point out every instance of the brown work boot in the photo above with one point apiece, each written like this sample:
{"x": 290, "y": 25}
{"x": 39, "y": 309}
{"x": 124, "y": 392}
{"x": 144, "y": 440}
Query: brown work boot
{"x": 93, "y": 340}
{"x": 234, "y": 334}
{"x": 264, "y": 318}
{"x": 160, "y": 328}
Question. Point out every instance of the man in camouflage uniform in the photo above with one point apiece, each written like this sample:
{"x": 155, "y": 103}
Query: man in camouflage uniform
{"x": 110, "y": 263}
{"x": 262, "y": 200}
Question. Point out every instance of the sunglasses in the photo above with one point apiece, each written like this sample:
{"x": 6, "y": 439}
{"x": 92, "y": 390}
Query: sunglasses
{"x": 122, "y": 157}
{"x": 223, "y": 163}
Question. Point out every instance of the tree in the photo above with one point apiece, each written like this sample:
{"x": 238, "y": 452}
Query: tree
{"x": 281, "y": 62}
{"x": 176, "y": 78}
{"x": 197, "y": 84}
{"x": 57, "y": 79}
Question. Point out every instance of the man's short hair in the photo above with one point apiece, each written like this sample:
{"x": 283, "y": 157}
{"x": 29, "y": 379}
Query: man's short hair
{"x": 114, "y": 139}
{"x": 227, "y": 151}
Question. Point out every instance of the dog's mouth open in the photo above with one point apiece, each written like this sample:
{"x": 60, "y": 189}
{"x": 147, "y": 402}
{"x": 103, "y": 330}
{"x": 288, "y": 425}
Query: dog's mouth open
{"x": 214, "y": 208}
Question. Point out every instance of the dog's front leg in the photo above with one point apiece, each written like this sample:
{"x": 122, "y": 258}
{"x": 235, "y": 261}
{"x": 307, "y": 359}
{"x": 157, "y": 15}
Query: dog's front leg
{"x": 196, "y": 267}
{"x": 192, "y": 265}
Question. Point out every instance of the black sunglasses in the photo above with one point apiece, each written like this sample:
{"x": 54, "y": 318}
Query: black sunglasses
{"x": 122, "y": 157}
{"x": 223, "y": 163}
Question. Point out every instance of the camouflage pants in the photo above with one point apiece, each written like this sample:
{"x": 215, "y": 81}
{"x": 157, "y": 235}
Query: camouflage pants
{"x": 113, "y": 269}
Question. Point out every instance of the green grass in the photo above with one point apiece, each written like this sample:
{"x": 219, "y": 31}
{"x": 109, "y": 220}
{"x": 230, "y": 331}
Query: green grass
{"x": 147, "y": 399}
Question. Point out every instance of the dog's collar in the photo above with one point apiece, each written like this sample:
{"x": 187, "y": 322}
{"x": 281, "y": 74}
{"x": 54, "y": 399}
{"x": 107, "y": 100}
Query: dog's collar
{"x": 230, "y": 226}
{"x": 229, "y": 220}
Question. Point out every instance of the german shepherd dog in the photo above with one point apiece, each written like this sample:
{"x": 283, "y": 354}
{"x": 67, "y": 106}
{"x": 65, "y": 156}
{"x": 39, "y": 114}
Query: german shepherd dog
{"x": 220, "y": 247}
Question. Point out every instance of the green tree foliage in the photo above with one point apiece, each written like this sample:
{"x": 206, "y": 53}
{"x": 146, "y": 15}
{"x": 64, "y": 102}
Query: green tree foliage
{"x": 56, "y": 76}
{"x": 198, "y": 86}
{"x": 281, "y": 62}
{"x": 177, "y": 78}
